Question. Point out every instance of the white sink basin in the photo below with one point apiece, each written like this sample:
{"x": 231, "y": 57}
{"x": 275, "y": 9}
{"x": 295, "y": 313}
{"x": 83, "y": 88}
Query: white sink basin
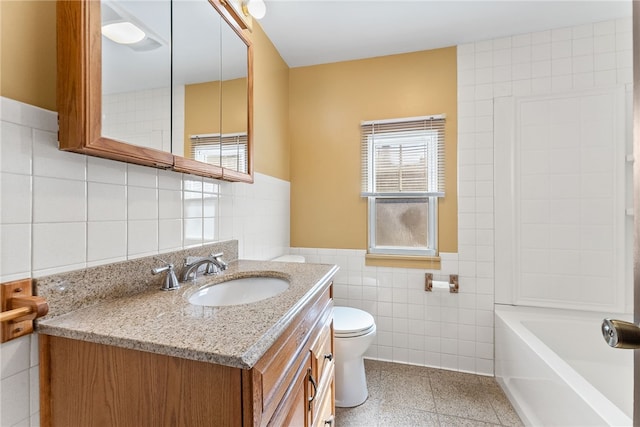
{"x": 239, "y": 291}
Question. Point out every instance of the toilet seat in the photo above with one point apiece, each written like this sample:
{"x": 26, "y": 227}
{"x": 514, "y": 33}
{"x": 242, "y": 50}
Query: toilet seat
{"x": 351, "y": 322}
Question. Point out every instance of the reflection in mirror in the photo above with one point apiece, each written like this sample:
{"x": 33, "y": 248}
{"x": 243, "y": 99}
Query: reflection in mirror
{"x": 136, "y": 72}
{"x": 234, "y": 141}
{"x": 196, "y": 81}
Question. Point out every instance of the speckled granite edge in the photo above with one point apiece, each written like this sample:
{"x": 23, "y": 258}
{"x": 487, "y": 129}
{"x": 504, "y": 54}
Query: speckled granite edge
{"x": 166, "y": 323}
{"x": 70, "y": 291}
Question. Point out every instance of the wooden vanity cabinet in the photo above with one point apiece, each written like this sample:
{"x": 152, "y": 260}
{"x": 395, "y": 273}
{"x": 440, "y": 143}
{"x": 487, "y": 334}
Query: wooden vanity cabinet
{"x": 89, "y": 384}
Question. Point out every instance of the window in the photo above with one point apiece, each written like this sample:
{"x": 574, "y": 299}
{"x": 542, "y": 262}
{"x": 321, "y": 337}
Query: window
{"x": 402, "y": 178}
{"x": 227, "y": 150}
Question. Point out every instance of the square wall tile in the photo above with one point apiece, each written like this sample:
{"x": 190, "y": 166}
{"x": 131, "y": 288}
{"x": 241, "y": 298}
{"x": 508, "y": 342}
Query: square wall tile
{"x": 15, "y": 356}
{"x": 106, "y": 171}
{"x": 169, "y": 204}
{"x": 106, "y": 240}
{"x": 210, "y": 205}
{"x": 142, "y": 203}
{"x": 49, "y": 161}
{"x": 59, "y": 200}
{"x": 193, "y": 231}
{"x": 15, "y": 198}
{"x": 14, "y": 405}
{"x": 16, "y": 148}
{"x": 34, "y": 390}
{"x": 106, "y": 202}
{"x": 169, "y": 180}
{"x": 59, "y": 244}
{"x": 169, "y": 234}
{"x": 142, "y": 176}
{"x": 193, "y": 204}
{"x": 142, "y": 237}
{"x": 15, "y": 251}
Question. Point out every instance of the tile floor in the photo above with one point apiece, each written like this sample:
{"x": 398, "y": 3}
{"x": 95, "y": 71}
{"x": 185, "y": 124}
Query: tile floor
{"x": 414, "y": 396}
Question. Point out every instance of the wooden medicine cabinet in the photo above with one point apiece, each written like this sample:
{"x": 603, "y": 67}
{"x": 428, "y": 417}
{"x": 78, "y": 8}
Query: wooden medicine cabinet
{"x": 178, "y": 95}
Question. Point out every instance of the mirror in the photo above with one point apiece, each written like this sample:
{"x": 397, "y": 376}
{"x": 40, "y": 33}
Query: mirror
{"x": 136, "y": 75}
{"x": 197, "y": 98}
{"x": 158, "y": 99}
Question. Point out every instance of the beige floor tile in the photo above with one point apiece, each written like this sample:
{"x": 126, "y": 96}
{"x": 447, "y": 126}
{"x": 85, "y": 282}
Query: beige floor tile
{"x": 451, "y": 421}
{"x": 404, "y": 417}
{"x": 414, "y": 396}
{"x": 407, "y": 391}
{"x": 464, "y": 397}
{"x": 365, "y": 415}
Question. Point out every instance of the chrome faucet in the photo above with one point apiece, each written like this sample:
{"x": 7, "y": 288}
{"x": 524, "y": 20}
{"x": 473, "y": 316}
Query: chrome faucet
{"x": 214, "y": 264}
{"x": 170, "y": 280}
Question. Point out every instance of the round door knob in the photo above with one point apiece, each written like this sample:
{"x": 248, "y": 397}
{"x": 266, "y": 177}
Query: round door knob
{"x": 621, "y": 334}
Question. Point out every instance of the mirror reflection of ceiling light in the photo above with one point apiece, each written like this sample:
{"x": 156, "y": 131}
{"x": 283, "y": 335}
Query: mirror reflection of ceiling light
{"x": 255, "y": 8}
{"x": 123, "y": 32}
{"x": 124, "y": 28}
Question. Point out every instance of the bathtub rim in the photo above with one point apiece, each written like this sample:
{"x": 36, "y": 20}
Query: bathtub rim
{"x": 513, "y": 316}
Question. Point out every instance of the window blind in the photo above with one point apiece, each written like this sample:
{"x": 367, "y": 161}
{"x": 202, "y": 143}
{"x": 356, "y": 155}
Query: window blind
{"x": 403, "y": 157}
{"x": 227, "y": 150}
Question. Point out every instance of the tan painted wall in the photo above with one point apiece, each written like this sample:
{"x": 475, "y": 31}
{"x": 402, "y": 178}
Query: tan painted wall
{"x": 271, "y": 108}
{"x": 327, "y": 104}
{"x": 28, "y": 52}
{"x": 202, "y": 109}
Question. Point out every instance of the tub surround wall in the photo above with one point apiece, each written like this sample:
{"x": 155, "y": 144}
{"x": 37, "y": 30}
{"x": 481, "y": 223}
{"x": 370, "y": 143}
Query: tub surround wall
{"x": 64, "y": 211}
{"x": 559, "y": 61}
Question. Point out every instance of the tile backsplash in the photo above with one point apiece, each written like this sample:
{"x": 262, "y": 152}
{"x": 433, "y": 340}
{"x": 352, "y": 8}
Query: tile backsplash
{"x": 63, "y": 211}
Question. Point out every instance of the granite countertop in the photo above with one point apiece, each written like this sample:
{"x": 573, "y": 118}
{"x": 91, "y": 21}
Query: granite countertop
{"x": 165, "y": 322}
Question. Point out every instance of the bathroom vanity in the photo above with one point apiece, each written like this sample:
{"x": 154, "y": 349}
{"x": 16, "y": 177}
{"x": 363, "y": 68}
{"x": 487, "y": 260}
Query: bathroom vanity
{"x": 155, "y": 359}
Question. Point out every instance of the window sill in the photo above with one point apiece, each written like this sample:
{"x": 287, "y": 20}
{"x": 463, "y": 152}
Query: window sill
{"x": 403, "y": 261}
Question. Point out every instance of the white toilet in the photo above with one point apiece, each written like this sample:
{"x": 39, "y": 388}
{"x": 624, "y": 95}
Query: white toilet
{"x": 354, "y": 331}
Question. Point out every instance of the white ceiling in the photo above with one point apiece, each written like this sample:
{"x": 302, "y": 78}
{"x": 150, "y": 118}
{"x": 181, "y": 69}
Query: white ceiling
{"x": 310, "y": 32}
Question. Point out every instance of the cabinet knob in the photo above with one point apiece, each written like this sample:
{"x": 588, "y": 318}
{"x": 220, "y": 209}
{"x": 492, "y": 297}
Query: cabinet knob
{"x": 329, "y": 421}
{"x": 329, "y": 356}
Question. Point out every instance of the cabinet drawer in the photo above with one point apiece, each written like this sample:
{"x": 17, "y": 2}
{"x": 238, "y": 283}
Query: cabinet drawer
{"x": 322, "y": 349}
{"x": 323, "y": 411}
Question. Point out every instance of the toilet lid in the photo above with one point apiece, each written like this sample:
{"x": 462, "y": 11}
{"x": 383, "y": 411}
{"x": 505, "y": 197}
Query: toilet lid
{"x": 348, "y": 321}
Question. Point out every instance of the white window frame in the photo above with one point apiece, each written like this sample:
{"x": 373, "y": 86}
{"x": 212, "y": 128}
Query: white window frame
{"x": 431, "y": 196}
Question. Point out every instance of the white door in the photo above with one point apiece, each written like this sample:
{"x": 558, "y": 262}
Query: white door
{"x": 623, "y": 334}
{"x": 636, "y": 203}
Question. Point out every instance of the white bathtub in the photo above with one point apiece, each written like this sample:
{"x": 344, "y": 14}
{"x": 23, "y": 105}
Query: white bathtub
{"x": 557, "y": 370}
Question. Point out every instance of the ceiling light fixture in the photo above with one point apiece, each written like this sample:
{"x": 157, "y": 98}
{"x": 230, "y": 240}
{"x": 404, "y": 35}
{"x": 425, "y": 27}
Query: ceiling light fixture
{"x": 255, "y": 8}
{"x": 123, "y": 32}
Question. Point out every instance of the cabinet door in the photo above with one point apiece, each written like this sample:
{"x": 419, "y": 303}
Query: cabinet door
{"x": 293, "y": 410}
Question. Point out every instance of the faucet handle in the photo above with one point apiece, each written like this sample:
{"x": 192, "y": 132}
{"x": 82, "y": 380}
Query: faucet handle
{"x": 219, "y": 261}
{"x": 170, "y": 280}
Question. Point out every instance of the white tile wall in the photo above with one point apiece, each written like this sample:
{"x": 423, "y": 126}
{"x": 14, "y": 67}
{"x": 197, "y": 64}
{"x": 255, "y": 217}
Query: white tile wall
{"x": 62, "y": 211}
{"x": 549, "y": 62}
{"x": 560, "y": 201}
{"x": 438, "y": 328}
{"x": 142, "y": 117}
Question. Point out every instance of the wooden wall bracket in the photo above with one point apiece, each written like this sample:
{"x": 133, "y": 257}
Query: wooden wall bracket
{"x": 19, "y": 308}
